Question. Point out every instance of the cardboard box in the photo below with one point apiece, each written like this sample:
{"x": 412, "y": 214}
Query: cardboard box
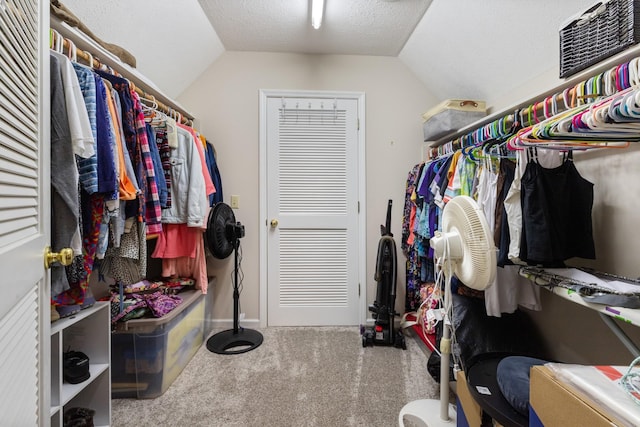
{"x": 557, "y": 404}
{"x": 472, "y": 411}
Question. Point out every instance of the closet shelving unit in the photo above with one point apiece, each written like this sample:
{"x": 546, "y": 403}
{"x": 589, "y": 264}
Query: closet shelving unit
{"x": 606, "y": 313}
{"x": 87, "y": 331}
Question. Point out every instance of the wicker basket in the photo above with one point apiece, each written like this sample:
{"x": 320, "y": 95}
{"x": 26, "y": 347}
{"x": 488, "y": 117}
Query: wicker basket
{"x": 606, "y": 28}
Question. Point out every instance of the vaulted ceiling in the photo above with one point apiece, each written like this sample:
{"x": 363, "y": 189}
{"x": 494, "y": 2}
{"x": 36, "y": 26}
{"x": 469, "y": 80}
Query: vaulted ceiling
{"x": 458, "y": 48}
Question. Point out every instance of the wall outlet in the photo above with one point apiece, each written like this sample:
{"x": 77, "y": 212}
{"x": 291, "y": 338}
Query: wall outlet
{"x": 235, "y": 202}
{"x": 241, "y": 317}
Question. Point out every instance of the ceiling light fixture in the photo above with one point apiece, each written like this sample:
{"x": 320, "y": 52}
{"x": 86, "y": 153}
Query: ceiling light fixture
{"x": 317, "y": 8}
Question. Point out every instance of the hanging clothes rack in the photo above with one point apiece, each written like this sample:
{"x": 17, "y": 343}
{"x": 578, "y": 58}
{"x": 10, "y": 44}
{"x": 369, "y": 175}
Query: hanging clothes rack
{"x": 579, "y": 89}
{"x": 98, "y": 57}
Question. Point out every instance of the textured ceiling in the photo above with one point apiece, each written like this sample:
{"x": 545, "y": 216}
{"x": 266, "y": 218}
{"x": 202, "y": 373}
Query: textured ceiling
{"x": 361, "y": 27}
{"x": 458, "y": 48}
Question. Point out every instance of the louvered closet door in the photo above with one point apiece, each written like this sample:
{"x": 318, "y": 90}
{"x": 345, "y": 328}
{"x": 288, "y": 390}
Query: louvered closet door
{"x": 312, "y": 194}
{"x": 22, "y": 208}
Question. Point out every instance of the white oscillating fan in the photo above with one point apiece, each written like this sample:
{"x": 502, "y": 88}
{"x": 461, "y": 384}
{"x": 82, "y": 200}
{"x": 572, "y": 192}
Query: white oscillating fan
{"x": 465, "y": 248}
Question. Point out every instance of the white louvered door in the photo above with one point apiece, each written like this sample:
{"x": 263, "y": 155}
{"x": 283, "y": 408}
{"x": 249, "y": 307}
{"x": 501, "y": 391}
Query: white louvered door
{"x": 24, "y": 212}
{"x": 312, "y": 193}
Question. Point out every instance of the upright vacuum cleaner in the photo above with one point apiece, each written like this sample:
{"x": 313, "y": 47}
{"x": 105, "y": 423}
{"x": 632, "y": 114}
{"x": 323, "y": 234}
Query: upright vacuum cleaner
{"x": 383, "y": 308}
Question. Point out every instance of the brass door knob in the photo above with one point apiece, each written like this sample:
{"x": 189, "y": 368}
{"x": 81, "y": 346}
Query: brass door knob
{"x": 274, "y": 223}
{"x": 64, "y": 257}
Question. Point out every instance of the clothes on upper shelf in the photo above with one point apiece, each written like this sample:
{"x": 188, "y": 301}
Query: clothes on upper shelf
{"x": 120, "y": 172}
{"x": 536, "y": 203}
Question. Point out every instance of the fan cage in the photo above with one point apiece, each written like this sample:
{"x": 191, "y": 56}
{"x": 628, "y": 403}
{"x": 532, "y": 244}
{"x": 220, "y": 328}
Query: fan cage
{"x": 216, "y": 236}
{"x": 477, "y": 267}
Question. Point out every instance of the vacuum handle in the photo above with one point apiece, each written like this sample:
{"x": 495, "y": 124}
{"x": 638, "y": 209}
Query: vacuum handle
{"x": 388, "y": 223}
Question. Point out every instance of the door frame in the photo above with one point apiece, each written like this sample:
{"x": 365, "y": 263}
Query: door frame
{"x": 44, "y": 308}
{"x": 263, "y": 220}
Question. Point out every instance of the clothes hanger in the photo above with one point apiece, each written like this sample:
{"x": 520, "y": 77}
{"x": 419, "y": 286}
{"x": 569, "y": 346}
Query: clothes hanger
{"x": 150, "y": 111}
{"x": 72, "y": 54}
{"x": 58, "y": 42}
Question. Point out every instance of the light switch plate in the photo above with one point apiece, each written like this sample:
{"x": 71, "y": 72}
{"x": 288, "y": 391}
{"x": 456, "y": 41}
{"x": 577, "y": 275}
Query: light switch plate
{"x": 235, "y": 202}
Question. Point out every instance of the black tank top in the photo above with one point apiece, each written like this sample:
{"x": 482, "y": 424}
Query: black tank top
{"x": 556, "y": 213}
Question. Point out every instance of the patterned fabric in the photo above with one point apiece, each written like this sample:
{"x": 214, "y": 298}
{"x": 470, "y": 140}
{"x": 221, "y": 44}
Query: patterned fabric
{"x": 127, "y": 263}
{"x": 165, "y": 157}
{"x": 141, "y": 286}
{"x": 136, "y": 305}
{"x": 413, "y": 263}
{"x": 152, "y": 211}
{"x": 468, "y": 174}
{"x": 161, "y": 304}
{"x": 132, "y": 305}
{"x": 158, "y": 170}
{"x": 453, "y": 179}
{"x": 79, "y": 280}
{"x": 412, "y": 179}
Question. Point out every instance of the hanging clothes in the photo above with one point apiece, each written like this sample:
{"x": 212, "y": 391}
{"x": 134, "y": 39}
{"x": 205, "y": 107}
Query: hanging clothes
{"x": 209, "y": 187}
{"x": 65, "y": 206}
{"x": 147, "y": 206}
{"x": 79, "y": 126}
{"x": 88, "y": 166}
{"x": 556, "y": 212}
{"x": 113, "y": 177}
{"x": 413, "y": 267}
{"x": 180, "y": 244}
{"x": 158, "y": 170}
{"x": 164, "y": 150}
{"x": 212, "y": 165}
{"x": 512, "y": 202}
{"x": 106, "y": 170}
{"x": 188, "y": 187}
{"x": 502, "y": 237}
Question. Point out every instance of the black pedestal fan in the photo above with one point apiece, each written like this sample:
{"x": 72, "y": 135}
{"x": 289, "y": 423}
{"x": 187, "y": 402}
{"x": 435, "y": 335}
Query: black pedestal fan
{"x": 223, "y": 237}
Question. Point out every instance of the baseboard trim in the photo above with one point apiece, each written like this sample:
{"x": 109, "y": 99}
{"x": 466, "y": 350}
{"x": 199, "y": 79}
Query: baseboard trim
{"x": 228, "y": 323}
{"x": 250, "y": 323}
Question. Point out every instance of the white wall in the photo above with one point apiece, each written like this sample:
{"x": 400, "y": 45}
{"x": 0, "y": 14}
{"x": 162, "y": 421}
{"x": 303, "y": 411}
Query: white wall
{"x": 474, "y": 49}
{"x": 225, "y": 100}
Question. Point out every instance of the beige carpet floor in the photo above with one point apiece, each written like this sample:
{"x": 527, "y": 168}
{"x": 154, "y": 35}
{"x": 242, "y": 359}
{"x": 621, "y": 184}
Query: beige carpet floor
{"x": 297, "y": 377}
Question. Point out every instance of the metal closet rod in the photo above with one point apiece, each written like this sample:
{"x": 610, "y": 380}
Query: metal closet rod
{"x": 535, "y": 106}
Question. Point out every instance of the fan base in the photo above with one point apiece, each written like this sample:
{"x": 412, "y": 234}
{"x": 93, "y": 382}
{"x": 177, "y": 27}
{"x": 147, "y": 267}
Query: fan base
{"x": 426, "y": 412}
{"x": 228, "y": 342}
